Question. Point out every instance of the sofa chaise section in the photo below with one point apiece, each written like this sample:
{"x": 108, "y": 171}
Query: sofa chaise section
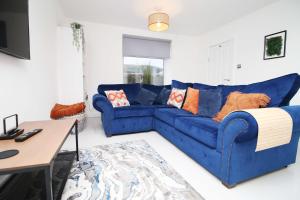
{"x": 206, "y": 156}
{"x": 123, "y": 120}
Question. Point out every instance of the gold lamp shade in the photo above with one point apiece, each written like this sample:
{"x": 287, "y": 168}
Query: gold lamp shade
{"x": 158, "y": 22}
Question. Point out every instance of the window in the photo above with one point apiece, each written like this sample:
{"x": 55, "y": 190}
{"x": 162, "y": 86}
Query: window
{"x": 143, "y": 70}
{"x": 144, "y": 59}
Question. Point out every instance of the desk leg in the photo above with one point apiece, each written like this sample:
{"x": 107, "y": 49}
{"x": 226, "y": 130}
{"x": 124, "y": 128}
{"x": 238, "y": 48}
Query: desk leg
{"x": 76, "y": 137}
{"x": 48, "y": 183}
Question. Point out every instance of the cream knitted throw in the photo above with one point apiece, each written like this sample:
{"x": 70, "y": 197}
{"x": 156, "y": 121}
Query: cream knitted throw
{"x": 275, "y": 127}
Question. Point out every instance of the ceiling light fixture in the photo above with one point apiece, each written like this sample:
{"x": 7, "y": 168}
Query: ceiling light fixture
{"x": 158, "y": 22}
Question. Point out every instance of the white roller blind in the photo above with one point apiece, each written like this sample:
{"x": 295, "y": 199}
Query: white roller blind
{"x": 134, "y": 46}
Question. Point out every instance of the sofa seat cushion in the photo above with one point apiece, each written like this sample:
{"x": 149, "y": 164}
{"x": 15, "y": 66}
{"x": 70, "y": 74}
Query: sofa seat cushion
{"x": 134, "y": 111}
{"x": 137, "y": 111}
{"x": 202, "y": 129}
{"x": 168, "y": 115}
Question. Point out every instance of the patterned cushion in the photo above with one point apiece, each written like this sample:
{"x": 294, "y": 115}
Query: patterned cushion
{"x": 239, "y": 101}
{"x": 176, "y": 97}
{"x": 191, "y": 101}
{"x": 117, "y": 98}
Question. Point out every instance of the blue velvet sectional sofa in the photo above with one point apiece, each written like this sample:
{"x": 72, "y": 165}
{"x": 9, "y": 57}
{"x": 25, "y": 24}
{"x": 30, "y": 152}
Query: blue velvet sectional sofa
{"x": 225, "y": 149}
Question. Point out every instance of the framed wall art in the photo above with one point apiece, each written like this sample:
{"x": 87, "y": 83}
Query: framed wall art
{"x": 275, "y": 45}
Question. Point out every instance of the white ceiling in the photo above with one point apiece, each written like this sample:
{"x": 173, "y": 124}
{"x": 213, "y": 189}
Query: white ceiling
{"x": 190, "y": 17}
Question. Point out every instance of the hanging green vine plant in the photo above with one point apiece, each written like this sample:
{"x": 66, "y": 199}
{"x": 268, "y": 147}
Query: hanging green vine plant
{"x": 78, "y": 35}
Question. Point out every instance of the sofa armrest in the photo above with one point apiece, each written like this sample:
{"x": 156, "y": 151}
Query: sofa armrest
{"x": 294, "y": 111}
{"x": 237, "y": 138}
{"x": 237, "y": 127}
{"x": 240, "y": 127}
{"x": 102, "y": 104}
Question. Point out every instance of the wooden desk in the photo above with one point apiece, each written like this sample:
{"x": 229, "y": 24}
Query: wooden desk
{"x": 39, "y": 151}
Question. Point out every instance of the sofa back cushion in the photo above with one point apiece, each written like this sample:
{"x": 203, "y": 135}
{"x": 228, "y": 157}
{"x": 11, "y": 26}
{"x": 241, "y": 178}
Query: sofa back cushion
{"x": 153, "y": 88}
{"x": 239, "y": 101}
{"x": 227, "y": 89}
{"x": 181, "y": 85}
{"x": 281, "y": 90}
{"x": 162, "y": 97}
{"x": 131, "y": 90}
{"x": 223, "y": 89}
{"x": 200, "y": 86}
{"x": 145, "y": 97}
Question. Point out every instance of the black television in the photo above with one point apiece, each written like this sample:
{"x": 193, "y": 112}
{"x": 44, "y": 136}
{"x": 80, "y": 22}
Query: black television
{"x": 14, "y": 28}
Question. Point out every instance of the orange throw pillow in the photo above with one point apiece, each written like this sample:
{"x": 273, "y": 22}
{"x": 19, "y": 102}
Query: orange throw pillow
{"x": 239, "y": 101}
{"x": 59, "y": 110}
{"x": 191, "y": 102}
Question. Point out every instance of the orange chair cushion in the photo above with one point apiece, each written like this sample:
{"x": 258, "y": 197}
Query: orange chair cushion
{"x": 239, "y": 101}
{"x": 191, "y": 102}
{"x": 59, "y": 110}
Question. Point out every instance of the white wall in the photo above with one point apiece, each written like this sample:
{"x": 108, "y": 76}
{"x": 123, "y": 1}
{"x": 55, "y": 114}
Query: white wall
{"x": 248, "y": 35}
{"x": 104, "y": 61}
{"x": 69, "y": 68}
{"x": 28, "y": 87}
{"x": 189, "y": 55}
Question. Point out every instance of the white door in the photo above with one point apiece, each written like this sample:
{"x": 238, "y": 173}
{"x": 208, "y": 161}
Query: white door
{"x": 221, "y": 63}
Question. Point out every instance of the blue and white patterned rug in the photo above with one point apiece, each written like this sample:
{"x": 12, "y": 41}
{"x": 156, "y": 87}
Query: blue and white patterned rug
{"x": 125, "y": 171}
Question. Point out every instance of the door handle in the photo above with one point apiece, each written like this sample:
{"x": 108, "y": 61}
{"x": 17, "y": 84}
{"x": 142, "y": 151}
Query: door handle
{"x": 226, "y": 79}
